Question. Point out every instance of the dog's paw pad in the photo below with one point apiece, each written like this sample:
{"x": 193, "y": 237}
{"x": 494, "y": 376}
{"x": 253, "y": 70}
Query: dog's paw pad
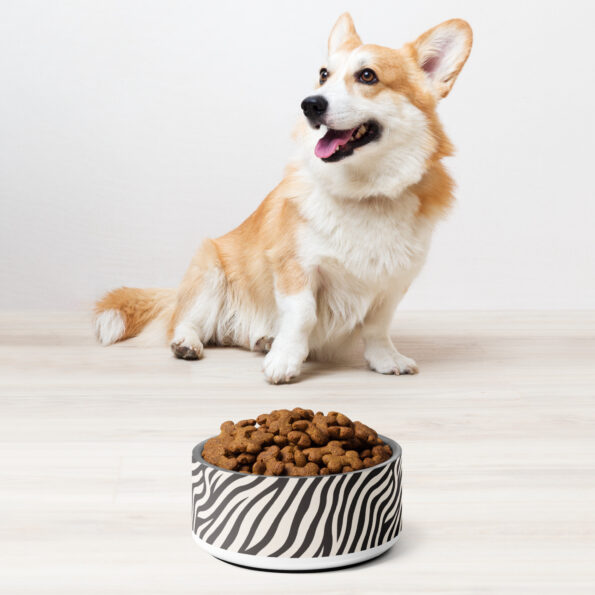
{"x": 183, "y": 350}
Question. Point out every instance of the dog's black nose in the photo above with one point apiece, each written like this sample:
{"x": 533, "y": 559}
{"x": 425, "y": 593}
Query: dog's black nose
{"x": 314, "y": 106}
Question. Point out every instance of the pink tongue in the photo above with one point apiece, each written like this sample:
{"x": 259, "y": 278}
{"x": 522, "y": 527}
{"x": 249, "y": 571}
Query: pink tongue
{"x": 326, "y": 146}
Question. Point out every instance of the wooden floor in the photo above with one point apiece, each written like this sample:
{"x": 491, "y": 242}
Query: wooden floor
{"x": 497, "y": 430}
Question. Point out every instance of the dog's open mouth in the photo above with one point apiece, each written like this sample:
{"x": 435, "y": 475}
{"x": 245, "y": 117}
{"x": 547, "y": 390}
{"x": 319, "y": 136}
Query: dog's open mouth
{"x": 338, "y": 144}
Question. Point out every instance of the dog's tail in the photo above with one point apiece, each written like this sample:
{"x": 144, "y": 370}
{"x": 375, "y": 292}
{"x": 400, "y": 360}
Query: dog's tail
{"x": 124, "y": 312}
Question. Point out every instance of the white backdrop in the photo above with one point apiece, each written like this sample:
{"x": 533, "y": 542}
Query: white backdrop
{"x": 130, "y": 130}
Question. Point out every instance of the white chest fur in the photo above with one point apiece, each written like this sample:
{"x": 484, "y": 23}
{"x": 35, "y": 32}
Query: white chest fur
{"x": 358, "y": 251}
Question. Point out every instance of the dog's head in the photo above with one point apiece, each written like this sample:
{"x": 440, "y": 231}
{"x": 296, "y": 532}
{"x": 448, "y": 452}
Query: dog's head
{"x": 372, "y": 120}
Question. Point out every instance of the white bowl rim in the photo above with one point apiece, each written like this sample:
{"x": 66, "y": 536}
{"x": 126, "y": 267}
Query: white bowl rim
{"x": 395, "y": 447}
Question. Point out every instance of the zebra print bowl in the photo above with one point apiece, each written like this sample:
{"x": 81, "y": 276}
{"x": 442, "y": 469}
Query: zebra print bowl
{"x": 296, "y": 523}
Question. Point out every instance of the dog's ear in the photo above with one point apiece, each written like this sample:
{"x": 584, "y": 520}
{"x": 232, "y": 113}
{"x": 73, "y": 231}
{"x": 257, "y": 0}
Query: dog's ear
{"x": 441, "y": 53}
{"x": 343, "y": 35}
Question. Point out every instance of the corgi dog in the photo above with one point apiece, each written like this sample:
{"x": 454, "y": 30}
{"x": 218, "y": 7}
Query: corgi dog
{"x": 334, "y": 247}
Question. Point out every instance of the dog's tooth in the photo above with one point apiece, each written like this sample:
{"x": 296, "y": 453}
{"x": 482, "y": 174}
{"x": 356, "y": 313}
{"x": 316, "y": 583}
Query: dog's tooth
{"x": 362, "y": 129}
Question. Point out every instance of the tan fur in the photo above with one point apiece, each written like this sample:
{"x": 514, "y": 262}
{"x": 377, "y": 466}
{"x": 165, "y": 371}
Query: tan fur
{"x": 435, "y": 192}
{"x": 137, "y": 306}
{"x": 263, "y": 246}
{"x": 254, "y": 254}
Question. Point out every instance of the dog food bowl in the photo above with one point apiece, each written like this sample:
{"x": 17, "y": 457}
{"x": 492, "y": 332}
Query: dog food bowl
{"x": 296, "y": 523}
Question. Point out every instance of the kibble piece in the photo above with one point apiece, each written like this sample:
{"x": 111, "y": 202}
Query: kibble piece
{"x": 340, "y": 432}
{"x": 364, "y": 433}
{"x": 270, "y": 452}
{"x": 274, "y": 467}
{"x": 228, "y": 427}
{"x": 309, "y": 469}
{"x": 343, "y": 420}
{"x": 229, "y": 463}
{"x": 300, "y": 458}
{"x": 245, "y": 458}
{"x": 287, "y": 453}
{"x": 299, "y": 438}
{"x": 280, "y": 440}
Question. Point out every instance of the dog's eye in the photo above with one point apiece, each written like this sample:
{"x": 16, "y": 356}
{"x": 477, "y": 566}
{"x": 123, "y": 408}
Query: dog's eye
{"x": 323, "y": 75}
{"x": 367, "y": 76}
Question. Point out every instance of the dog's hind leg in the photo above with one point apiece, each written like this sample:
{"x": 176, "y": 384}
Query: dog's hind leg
{"x": 198, "y": 306}
{"x": 380, "y": 353}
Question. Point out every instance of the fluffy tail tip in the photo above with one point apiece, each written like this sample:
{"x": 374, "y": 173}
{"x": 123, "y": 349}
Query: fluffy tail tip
{"x": 109, "y": 326}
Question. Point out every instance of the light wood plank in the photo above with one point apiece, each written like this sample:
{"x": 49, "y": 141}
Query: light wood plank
{"x": 497, "y": 433}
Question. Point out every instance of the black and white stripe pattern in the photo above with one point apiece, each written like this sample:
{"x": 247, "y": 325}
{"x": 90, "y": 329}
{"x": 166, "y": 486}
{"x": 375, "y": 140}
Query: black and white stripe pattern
{"x": 296, "y": 517}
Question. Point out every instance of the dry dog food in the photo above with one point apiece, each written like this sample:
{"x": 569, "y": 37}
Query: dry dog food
{"x": 296, "y": 442}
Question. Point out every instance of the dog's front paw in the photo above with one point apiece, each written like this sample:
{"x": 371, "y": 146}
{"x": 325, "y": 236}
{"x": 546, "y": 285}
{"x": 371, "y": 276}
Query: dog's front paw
{"x": 281, "y": 366}
{"x": 391, "y": 362}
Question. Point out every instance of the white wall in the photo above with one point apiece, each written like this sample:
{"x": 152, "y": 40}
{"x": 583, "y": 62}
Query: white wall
{"x": 130, "y": 130}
